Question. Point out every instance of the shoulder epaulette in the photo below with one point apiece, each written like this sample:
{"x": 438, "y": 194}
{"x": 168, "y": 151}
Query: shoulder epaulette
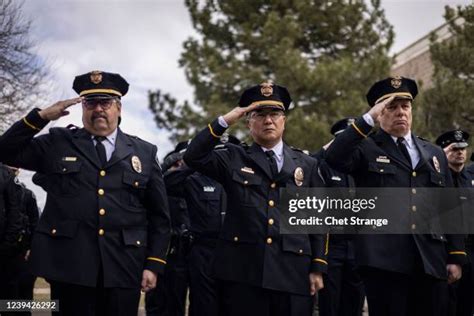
{"x": 304, "y": 151}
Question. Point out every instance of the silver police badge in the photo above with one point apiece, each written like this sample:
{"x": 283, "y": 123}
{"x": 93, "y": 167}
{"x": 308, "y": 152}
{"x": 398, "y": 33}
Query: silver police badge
{"x": 436, "y": 164}
{"x": 136, "y": 164}
{"x": 396, "y": 82}
{"x": 266, "y": 88}
{"x": 299, "y": 176}
{"x": 458, "y": 135}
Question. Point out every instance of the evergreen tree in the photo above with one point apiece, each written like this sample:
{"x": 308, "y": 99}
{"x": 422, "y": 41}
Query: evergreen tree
{"x": 449, "y": 104}
{"x": 327, "y": 53}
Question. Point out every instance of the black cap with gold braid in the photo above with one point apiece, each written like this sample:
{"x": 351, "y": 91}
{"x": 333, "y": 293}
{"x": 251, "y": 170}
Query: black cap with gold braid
{"x": 100, "y": 84}
{"x": 266, "y": 95}
{"x": 399, "y": 87}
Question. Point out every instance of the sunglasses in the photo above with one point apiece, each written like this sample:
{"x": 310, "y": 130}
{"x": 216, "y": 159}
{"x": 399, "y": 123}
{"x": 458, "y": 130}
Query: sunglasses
{"x": 104, "y": 103}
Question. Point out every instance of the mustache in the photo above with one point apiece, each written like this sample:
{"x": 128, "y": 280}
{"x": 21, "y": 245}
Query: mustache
{"x": 98, "y": 115}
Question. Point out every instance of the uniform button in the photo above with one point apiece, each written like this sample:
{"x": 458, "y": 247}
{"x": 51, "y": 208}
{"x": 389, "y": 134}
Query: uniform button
{"x": 271, "y": 203}
{"x": 413, "y": 174}
{"x": 300, "y": 251}
{"x": 53, "y": 231}
{"x": 102, "y": 173}
{"x": 381, "y": 170}
{"x": 413, "y": 208}
{"x": 102, "y": 211}
{"x": 236, "y": 238}
{"x": 246, "y": 182}
{"x": 136, "y": 183}
{"x": 413, "y": 191}
{"x": 64, "y": 169}
{"x": 413, "y": 226}
{"x": 101, "y": 232}
{"x": 101, "y": 191}
{"x": 270, "y": 221}
{"x": 273, "y": 185}
{"x": 138, "y": 242}
{"x": 269, "y": 241}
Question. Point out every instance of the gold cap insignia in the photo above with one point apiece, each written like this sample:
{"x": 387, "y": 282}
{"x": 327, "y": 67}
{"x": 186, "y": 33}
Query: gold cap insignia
{"x": 458, "y": 135}
{"x": 96, "y": 76}
{"x": 266, "y": 88}
{"x": 396, "y": 82}
{"x": 136, "y": 164}
{"x": 299, "y": 176}
{"x": 436, "y": 164}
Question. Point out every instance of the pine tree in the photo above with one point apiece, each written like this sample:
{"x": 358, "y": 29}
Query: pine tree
{"x": 327, "y": 53}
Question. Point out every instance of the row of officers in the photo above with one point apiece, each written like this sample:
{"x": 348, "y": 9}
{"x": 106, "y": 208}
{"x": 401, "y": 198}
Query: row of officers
{"x": 116, "y": 222}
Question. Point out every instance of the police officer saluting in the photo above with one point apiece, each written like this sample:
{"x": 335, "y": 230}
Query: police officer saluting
{"x": 104, "y": 231}
{"x": 262, "y": 272}
{"x": 402, "y": 274}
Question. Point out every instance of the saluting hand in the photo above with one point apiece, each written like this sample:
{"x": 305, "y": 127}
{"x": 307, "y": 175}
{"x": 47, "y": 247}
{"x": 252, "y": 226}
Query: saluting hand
{"x": 58, "y": 109}
{"x": 236, "y": 113}
{"x": 449, "y": 151}
{"x": 378, "y": 108}
{"x": 149, "y": 280}
{"x": 316, "y": 282}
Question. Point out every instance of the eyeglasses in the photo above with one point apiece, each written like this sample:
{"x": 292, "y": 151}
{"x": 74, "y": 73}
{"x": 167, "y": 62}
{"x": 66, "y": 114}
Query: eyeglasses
{"x": 104, "y": 104}
{"x": 260, "y": 116}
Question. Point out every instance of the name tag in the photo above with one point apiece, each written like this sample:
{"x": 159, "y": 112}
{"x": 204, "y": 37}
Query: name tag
{"x": 209, "y": 189}
{"x": 69, "y": 158}
{"x": 247, "y": 170}
{"x": 382, "y": 159}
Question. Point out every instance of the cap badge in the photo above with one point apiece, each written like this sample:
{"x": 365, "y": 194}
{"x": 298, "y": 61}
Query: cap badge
{"x": 299, "y": 176}
{"x": 136, "y": 164}
{"x": 458, "y": 135}
{"x": 96, "y": 76}
{"x": 396, "y": 82}
{"x": 436, "y": 164}
{"x": 266, "y": 88}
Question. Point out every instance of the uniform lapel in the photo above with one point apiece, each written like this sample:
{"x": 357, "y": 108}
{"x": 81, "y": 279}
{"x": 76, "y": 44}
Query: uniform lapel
{"x": 82, "y": 140}
{"x": 258, "y": 156}
{"x": 386, "y": 143}
{"x": 123, "y": 148}
{"x": 424, "y": 154}
{"x": 289, "y": 165}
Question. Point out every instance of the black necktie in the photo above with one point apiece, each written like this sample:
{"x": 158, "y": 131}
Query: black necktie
{"x": 403, "y": 149}
{"x": 100, "y": 148}
{"x": 272, "y": 162}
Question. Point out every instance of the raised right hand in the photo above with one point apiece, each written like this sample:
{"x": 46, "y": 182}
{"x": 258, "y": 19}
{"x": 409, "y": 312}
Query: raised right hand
{"x": 378, "y": 108}
{"x": 58, "y": 109}
{"x": 236, "y": 113}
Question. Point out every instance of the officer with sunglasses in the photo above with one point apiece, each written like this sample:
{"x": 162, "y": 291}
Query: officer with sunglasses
{"x": 105, "y": 229}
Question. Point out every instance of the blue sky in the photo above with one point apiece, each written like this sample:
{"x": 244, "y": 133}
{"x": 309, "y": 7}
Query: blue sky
{"x": 142, "y": 40}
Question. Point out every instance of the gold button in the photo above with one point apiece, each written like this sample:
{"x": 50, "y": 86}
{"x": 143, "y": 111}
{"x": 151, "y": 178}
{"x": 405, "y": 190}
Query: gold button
{"x": 413, "y": 174}
{"x": 381, "y": 170}
{"x": 136, "y": 183}
{"x": 102, "y": 173}
{"x": 246, "y": 182}
{"x": 300, "y": 251}
{"x": 64, "y": 169}
{"x": 413, "y": 208}
{"x": 101, "y": 191}
{"x": 413, "y": 191}
{"x": 138, "y": 242}
{"x": 102, "y": 211}
{"x": 273, "y": 185}
{"x": 236, "y": 238}
{"x": 53, "y": 231}
{"x": 413, "y": 226}
{"x": 269, "y": 241}
{"x": 271, "y": 221}
{"x": 101, "y": 232}
{"x": 271, "y": 203}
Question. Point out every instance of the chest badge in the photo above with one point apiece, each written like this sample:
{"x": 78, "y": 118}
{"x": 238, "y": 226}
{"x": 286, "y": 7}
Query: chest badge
{"x": 136, "y": 164}
{"x": 382, "y": 159}
{"x": 436, "y": 164}
{"x": 299, "y": 176}
{"x": 209, "y": 189}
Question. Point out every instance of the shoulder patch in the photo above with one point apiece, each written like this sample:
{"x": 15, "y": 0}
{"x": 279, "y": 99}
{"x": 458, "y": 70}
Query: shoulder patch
{"x": 424, "y": 139}
{"x": 306, "y": 152}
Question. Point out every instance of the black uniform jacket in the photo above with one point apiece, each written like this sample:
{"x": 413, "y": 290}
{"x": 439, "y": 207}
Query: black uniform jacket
{"x": 115, "y": 216}
{"x": 251, "y": 249}
{"x": 375, "y": 161}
